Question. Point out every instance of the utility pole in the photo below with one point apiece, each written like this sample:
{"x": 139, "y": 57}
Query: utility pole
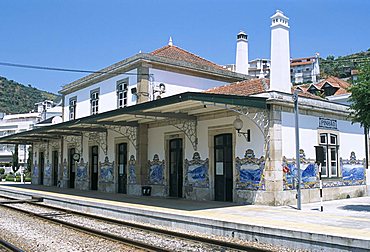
{"x": 297, "y": 155}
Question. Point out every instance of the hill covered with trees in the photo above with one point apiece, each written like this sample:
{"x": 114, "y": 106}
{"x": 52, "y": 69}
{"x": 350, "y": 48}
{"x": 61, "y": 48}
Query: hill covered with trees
{"x": 341, "y": 66}
{"x": 18, "y": 98}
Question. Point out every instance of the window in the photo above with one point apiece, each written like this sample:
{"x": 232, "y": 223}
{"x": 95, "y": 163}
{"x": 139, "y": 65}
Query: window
{"x": 329, "y": 142}
{"x": 122, "y": 86}
{"x": 94, "y": 100}
{"x": 72, "y": 108}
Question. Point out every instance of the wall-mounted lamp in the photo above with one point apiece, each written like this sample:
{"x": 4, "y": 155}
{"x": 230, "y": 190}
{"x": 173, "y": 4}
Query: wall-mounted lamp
{"x": 238, "y": 125}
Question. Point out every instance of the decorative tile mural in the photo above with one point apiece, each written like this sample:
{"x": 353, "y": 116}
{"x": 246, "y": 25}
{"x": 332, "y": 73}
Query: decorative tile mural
{"x": 249, "y": 172}
{"x": 106, "y": 171}
{"x": 131, "y": 170}
{"x": 65, "y": 170}
{"x": 35, "y": 172}
{"x": 47, "y": 171}
{"x": 156, "y": 171}
{"x": 352, "y": 170}
{"x": 309, "y": 172}
{"x": 82, "y": 170}
{"x": 196, "y": 172}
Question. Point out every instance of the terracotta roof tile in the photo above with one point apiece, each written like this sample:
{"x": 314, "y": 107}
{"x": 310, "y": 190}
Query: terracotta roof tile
{"x": 335, "y": 82}
{"x": 254, "y": 86}
{"x": 176, "y": 53}
{"x": 301, "y": 63}
{"x": 244, "y": 88}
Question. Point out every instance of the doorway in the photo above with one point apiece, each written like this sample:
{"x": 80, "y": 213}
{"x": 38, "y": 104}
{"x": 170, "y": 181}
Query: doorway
{"x": 122, "y": 167}
{"x": 223, "y": 167}
{"x": 176, "y": 167}
{"x": 42, "y": 167}
{"x": 94, "y": 167}
{"x": 55, "y": 168}
{"x": 72, "y": 167}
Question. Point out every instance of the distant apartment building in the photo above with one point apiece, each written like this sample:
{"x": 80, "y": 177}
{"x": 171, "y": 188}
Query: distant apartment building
{"x": 302, "y": 70}
{"x": 15, "y": 123}
{"x": 305, "y": 70}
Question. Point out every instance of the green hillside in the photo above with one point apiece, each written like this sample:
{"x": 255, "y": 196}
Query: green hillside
{"x": 18, "y": 98}
{"x": 341, "y": 66}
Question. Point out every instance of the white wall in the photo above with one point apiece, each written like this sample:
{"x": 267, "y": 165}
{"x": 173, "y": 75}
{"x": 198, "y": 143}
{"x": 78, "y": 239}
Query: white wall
{"x": 351, "y": 136}
{"x": 156, "y": 138}
{"x": 182, "y": 82}
{"x": 107, "y": 96}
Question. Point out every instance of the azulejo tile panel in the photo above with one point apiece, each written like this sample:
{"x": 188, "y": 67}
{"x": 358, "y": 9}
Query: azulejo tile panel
{"x": 132, "y": 170}
{"x": 196, "y": 172}
{"x": 82, "y": 170}
{"x": 352, "y": 173}
{"x": 35, "y": 172}
{"x": 249, "y": 172}
{"x": 156, "y": 171}
{"x": 106, "y": 171}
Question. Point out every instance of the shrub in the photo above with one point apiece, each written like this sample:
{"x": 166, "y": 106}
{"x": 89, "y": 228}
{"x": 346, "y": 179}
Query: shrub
{"x": 9, "y": 177}
{"x": 2, "y": 171}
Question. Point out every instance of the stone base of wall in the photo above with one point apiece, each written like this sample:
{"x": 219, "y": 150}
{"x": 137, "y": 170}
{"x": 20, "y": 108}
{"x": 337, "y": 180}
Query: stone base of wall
{"x": 82, "y": 185}
{"x": 64, "y": 183}
{"x": 134, "y": 189}
{"x": 107, "y": 187}
{"x": 159, "y": 190}
{"x": 197, "y": 193}
{"x": 48, "y": 181}
{"x": 35, "y": 180}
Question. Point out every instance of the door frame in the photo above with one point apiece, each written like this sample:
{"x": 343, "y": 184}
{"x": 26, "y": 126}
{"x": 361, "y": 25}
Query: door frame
{"x": 91, "y": 168}
{"x": 41, "y": 166}
{"x": 116, "y": 168}
{"x": 70, "y": 160}
{"x": 55, "y": 169}
{"x": 167, "y": 137}
{"x": 212, "y": 132}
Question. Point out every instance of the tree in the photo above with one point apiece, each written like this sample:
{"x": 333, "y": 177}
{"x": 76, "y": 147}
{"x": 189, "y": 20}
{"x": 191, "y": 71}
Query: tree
{"x": 15, "y": 163}
{"x": 360, "y": 97}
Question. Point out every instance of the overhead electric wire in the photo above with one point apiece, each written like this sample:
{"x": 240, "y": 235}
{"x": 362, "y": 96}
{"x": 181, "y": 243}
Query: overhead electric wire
{"x": 65, "y": 69}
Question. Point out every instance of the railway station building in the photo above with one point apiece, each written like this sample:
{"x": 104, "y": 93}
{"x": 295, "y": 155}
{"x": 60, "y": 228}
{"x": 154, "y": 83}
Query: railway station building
{"x": 172, "y": 124}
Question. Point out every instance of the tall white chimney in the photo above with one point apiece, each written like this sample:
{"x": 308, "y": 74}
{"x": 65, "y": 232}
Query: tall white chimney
{"x": 280, "y": 54}
{"x": 241, "y": 64}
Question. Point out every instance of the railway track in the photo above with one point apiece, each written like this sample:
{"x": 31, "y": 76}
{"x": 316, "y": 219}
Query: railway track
{"x": 58, "y": 213}
{"x": 7, "y": 246}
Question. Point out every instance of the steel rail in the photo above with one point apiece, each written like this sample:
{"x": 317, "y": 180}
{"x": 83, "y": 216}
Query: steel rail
{"x": 10, "y": 247}
{"x": 177, "y": 235}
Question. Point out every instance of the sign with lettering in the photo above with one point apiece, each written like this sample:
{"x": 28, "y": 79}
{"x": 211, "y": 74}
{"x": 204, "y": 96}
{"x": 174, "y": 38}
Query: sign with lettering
{"x": 327, "y": 123}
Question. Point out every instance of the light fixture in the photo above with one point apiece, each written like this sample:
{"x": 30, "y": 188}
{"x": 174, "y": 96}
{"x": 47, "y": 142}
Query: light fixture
{"x": 238, "y": 125}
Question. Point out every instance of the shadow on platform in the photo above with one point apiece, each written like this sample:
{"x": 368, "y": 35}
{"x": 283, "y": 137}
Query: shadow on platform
{"x": 172, "y": 203}
{"x": 359, "y": 208}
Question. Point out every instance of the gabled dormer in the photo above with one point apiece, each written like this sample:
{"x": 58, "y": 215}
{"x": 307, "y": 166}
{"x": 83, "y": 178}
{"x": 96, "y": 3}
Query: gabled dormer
{"x": 328, "y": 89}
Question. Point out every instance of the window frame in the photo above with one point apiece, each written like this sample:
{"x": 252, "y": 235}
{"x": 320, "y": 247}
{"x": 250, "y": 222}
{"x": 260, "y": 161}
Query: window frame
{"x": 122, "y": 92}
{"x": 94, "y": 101}
{"x": 72, "y": 107}
{"x": 327, "y": 170}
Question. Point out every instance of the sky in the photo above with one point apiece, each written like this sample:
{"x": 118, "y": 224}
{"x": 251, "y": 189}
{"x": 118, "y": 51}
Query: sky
{"x": 92, "y": 34}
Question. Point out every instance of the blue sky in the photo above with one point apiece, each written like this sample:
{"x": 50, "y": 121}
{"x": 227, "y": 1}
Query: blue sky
{"x": 88, "y": 34}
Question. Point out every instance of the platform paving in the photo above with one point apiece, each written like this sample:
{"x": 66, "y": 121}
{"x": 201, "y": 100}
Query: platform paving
{"x": 344, "y": 224}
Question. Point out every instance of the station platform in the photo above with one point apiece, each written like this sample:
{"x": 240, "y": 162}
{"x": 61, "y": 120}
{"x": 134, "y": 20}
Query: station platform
{"x": 343, "y": 226}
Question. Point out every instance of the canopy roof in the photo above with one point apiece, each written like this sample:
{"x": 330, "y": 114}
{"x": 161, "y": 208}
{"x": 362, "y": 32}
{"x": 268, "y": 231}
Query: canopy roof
{"x": 187, "y": 105}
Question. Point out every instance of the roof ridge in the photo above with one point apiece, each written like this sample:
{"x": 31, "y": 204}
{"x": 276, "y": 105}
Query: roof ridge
{"x": 155, "y": 52}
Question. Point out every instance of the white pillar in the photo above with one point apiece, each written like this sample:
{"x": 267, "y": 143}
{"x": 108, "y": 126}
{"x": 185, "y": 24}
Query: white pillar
{"x": 241, "y": 64}
{"x": 280, "y": 54}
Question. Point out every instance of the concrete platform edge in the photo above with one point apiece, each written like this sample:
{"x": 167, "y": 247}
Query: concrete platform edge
{"x": 275, "y": 236}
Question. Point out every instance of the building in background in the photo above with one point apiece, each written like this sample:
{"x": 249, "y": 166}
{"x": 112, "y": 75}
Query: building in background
{"x": 16, "y": 123}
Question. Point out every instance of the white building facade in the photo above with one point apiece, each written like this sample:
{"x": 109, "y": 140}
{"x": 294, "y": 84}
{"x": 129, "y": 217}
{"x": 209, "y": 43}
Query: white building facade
{"x": 170, "y": 123}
